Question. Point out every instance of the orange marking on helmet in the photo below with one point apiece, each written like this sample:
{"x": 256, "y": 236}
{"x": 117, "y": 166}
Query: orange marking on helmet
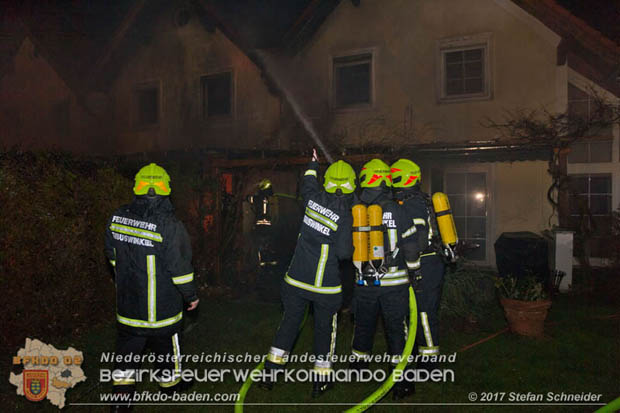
{"x": 141, "y": 185}
{"x": 411, "y": 179}
{"x": 374, "y": 178}
{"x": 395, "y": 170}
{"x": 161, "y": 185}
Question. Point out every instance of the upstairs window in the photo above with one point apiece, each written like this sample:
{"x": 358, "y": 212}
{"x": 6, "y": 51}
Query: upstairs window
{"x": 590, "y": 152}
{"x": 583, "y": 105}
{"x": 352, "y": 81}
{"x": 147, "y": 98}
{"x": 216, "y": 95}
{"x": 465, "y": 71}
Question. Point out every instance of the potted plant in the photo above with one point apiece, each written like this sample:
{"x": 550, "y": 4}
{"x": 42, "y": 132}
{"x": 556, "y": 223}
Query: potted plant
{"x": 526, "y": 303}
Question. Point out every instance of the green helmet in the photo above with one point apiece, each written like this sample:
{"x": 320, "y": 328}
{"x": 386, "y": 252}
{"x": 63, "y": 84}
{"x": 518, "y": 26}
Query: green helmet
{"x": 374, "y": 173}
{"x": 339, "y": 175}
{"x": 152, "y": 176}
{"x": 405, "y": 174}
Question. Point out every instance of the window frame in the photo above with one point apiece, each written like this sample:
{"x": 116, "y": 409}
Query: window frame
{"x": 203, "y": 99}
{"x": 482, "y": 41}
{"x": 333, "y": 79}
{"x": 589, "y": 195}
{"x": 489, "y": 174}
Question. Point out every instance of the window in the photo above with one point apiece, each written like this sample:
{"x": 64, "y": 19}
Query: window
{"x": 352, "y": 81}
{"x": 465, "y": 68}
{"x": 467, "y": 192}
{"x": 583, "y": 105}
{"x": 147, "y": 98}
{"x": 590, "y": 208}
{"x": 216, "y": 95}
{"x": 464, "y": 72}
{"x": 590, "y": 152}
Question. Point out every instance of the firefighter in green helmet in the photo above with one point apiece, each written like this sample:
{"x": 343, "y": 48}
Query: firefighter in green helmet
{"x": 389, "y": 294}
{"x": 313, "y": 274}
{"x": 425, "y": 265}
{"x": 150, "y": 251}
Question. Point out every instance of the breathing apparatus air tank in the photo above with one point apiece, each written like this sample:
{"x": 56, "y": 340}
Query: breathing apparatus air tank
{"x": 375, "y": 238}
{"x": 445, "y": 222}
{"x": 360, "y": 236}
{"x": 368, "y": 254}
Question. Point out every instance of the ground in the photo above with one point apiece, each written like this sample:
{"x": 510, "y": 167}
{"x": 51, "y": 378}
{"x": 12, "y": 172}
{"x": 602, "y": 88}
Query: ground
{"x": 580, "y": 353}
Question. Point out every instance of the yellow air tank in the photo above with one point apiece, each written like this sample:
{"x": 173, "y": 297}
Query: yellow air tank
{"x": 375, "y": 243}
{"x": 445, "y": 221}
{"x": 360, "y": 236}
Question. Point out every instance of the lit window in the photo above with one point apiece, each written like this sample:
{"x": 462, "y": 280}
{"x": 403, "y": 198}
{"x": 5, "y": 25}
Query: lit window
{"x": 217, "y": 95}
{"x": 468, "y": 200}
{"x": 352, "y": 80}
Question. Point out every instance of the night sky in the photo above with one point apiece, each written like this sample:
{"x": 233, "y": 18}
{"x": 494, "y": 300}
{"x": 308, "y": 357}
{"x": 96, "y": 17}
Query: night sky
{"x": 261, "y": 22}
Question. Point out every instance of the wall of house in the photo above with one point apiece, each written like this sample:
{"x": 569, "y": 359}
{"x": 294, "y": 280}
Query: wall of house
{"x": 515, "y": 196}
{"x": 403, "y": 35}
{"x": 39, "y": 111}
{"x": 175, "y": 59}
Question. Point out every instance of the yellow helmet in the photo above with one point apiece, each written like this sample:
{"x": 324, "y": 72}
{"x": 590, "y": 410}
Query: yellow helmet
{"x": 405, "y": 173}
{"x": 339, "y": 175}
{"x": 152, "y": 176}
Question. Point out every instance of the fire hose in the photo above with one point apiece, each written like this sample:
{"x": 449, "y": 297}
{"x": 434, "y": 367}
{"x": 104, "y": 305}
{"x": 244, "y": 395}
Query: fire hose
{"x": 382, "y": 390}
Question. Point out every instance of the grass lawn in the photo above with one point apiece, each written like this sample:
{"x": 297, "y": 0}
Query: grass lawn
{"x": 581, "y": 353}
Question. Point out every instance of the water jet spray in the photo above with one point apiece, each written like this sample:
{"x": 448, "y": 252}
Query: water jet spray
{"x": 268, "y": 68}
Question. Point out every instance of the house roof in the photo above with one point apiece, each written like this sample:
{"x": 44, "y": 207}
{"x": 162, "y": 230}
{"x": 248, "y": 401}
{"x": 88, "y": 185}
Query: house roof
{"x": 585, "y": 49}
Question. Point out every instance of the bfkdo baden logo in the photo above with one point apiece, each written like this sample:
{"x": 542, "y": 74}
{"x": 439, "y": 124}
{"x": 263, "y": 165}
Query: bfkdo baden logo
{"x": 47, "y": 372}
{"x": 35, "y": 384}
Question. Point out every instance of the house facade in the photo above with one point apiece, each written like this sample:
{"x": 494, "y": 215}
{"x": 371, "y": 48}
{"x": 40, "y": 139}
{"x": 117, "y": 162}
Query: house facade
{"x": 430, "y": 75}
{"x": 184, "y": 84}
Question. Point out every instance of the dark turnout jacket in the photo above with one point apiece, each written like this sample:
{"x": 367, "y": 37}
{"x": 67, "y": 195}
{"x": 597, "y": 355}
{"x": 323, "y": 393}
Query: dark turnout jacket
{"x": 151, "y": 254}
{"x": 324, "y": 238}
{"x": 414, "y": 240}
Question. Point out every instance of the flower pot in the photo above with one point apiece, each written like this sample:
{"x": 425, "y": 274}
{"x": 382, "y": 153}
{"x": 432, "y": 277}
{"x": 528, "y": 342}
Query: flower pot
{"x": 526, "y": 318}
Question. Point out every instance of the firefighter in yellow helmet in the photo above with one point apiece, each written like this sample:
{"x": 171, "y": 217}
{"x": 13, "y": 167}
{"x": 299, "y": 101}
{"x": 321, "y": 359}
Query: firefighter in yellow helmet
{"x": 388, "y": 294}
{"x": 313, "y": 274}
{"x": 151, "y": 254}
{"x": 425, "y": 265}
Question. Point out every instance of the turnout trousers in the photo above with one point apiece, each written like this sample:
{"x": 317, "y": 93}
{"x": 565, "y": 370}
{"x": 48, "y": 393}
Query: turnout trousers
{"x": 393, "y": 303}
{"x": 428, "y": 297}
{"x": 325, "y": 308}
{"x": 165, "y": 349}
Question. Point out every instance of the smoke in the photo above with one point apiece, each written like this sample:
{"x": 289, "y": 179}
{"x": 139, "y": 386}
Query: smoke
{"x": 270, "y": 69}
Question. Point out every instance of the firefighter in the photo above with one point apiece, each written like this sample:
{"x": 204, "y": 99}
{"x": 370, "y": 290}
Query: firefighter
{"x": 313, "y": 275}
{"x": 264, "y": 240}
{"x": 389, "y": 292}
{"x": 426, "y": 268}
{"x": 151, "y": 254}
